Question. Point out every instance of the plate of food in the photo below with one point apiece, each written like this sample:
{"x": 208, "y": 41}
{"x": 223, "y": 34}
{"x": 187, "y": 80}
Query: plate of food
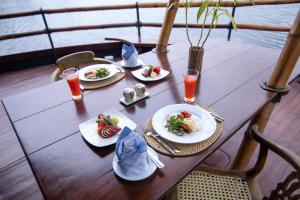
{"x": 97, "y": 72}
{"x": 104, "y": 129}
{"x": 184, "y": 123}
{"x": 150, "y": 73}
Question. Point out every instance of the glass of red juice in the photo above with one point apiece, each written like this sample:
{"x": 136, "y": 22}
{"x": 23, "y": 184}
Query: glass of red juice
{"x": 190, "y": 84}
{"x": 72, "y": 77}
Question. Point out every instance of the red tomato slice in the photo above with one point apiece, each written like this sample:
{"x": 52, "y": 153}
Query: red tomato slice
{"x": 186, "y": 114}
{"x": 156, "y": 69}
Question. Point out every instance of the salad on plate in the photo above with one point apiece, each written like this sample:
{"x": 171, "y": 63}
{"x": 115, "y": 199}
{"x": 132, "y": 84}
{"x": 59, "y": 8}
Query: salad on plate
{"x": 151, "y": 71}
{"x": 182, "y": 123}
{"x": 97, "y": 73}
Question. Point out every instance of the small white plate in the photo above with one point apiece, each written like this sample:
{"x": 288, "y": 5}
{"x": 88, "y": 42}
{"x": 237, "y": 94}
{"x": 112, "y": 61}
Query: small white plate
{"x": 139, "y": 75}
{"x": 205, "y": 120}
{"x": 112, "y": 69}
{"x": 89, "y": 129}
{"x": 138, "y": 64}
{"x": 148, "y": 172}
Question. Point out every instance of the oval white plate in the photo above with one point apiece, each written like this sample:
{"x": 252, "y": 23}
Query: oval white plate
{"x": 139, "y": 75}
{"x": 148, "y": 172}
{"x": 138, "y": 64}
{"x": 89, "y": 129}
{"x": 206, "y": 121}
{"x": 111, "y": 68}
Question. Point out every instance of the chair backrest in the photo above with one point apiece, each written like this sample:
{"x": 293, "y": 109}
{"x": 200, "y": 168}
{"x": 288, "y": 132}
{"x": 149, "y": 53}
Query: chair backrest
{"x": 289, "y": 188}
{"x": 75, "y": 60}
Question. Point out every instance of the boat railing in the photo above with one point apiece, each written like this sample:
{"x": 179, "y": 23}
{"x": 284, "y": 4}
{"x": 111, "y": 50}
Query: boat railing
{"x": 138, "y": 23}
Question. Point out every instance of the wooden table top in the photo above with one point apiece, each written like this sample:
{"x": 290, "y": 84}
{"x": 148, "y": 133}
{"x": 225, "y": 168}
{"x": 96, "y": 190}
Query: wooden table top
{"x": 46, "y": 120}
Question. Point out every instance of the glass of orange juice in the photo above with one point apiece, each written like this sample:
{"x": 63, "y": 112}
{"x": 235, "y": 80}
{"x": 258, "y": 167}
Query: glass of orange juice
{"x": 190, "y": 84}
{"x": 72, "y": 77}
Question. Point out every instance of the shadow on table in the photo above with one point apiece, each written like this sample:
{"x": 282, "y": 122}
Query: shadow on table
{"x": 100, "y": 151}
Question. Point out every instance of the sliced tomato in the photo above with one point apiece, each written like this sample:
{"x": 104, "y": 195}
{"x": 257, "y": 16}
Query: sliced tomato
{"x": 185, "y": 114}
{"x": 101, "y": 124}
{"x": 156, "y": 69}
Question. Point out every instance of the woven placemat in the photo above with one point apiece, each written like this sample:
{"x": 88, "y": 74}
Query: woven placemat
{"x": 186, "y": 149}
{"x": 88, "y": 85}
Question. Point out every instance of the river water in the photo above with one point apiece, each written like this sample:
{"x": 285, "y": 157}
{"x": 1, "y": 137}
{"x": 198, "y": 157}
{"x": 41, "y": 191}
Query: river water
{"x": 267, "y": 15}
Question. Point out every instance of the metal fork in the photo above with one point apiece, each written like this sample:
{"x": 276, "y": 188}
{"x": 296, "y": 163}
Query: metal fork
{"x": 166, "y": 145}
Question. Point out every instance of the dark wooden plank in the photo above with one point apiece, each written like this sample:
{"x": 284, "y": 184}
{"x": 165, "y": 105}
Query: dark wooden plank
{"x": 18, "y": 182}
{"x": 10, "y": 150}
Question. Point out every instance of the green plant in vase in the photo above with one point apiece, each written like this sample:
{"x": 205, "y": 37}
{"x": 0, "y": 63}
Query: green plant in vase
{"x": 209, "y": 12}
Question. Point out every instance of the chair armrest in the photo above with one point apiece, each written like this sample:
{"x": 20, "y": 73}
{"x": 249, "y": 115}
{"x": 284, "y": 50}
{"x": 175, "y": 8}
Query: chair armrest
{"x": 56, "y": 74}
{"x": 282, "y": 151}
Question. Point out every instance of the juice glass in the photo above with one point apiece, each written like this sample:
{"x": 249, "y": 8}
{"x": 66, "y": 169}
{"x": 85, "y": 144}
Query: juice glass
{"x": 71, "y": 75}
{"x": 190, "y": 84}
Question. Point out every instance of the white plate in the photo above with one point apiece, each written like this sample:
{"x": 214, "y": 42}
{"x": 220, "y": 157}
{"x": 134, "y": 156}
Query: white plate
{"x": 148, "y": 172}
{"x": 139, "y": 75}
{"x": 206, "y": 122}
{"x": 138, "y": 64}
{"x": 89, "y": 129}
{"x": 112, "y": 69}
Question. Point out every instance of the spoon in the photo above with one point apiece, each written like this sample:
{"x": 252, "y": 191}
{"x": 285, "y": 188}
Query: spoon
{"x": 156, "y": 161}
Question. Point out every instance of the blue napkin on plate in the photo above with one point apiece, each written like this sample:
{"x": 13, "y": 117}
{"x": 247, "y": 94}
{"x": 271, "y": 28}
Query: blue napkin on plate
{"x": 131, "y": 150}
{"x": 129, "y": 55}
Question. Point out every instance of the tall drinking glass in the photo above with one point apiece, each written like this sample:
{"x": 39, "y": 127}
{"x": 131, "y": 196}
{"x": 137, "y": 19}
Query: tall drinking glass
{"x": 190, "y": 84}
{"x": 72, "y": 77}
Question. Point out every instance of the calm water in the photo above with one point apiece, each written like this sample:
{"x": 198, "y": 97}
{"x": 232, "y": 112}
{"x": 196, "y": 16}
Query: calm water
{"x": 274, "y": 15}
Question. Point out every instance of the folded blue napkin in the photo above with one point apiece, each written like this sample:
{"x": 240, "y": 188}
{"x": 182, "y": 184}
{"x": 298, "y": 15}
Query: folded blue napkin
{"x": 129, "y": 55}
{"x": 131, "y": 150}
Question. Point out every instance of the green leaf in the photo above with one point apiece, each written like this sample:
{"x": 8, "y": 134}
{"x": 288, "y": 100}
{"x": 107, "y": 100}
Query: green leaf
{"x": 190, "y": 3}
{"x": 216, "y": 19}
{"x": 202, "y": 9}
{"x": 231, "y": 19}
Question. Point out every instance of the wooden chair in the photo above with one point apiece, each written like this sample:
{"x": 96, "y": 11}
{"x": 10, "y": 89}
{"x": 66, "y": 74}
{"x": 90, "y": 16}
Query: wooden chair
{"x": 76, "y": 60}
{"x": 211, "y": 183}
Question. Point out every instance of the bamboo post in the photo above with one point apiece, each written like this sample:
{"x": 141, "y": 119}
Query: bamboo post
{"x": 277, "y": 81}
{"x": 161, "y": 46}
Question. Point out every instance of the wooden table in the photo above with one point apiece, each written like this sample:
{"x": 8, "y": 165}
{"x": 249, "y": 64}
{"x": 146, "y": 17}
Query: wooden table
{"x": 66, "y": 167}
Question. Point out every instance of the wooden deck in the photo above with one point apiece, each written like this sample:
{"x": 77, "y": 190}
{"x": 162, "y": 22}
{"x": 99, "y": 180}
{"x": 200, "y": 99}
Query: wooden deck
{"x": 17, "y": 181}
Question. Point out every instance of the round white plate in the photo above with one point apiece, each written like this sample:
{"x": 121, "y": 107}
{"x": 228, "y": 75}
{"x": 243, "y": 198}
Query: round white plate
{"x": 89, "y": 129}
{"x": 139, "y": 75}
{"x": 112, "y": 69}
{"x": 146, "y": 173}
{"x": 206, "y": 123}
{"x": 138, "y": 64}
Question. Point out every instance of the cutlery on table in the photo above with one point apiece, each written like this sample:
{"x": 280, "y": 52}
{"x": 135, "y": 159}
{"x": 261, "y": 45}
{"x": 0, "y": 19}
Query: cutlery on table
{"x": 163, "y": 143}
{"x": 156, "y": 161}
{"x": 176, "y": 149}
{"x": 217, "y": 117}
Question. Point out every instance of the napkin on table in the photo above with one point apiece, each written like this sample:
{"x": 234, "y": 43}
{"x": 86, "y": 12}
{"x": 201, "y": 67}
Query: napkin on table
{"x": 131, "y": 150}
{"x": 129, "y": 54}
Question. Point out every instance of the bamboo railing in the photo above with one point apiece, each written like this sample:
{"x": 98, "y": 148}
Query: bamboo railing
{"x": 140, "y": 5}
